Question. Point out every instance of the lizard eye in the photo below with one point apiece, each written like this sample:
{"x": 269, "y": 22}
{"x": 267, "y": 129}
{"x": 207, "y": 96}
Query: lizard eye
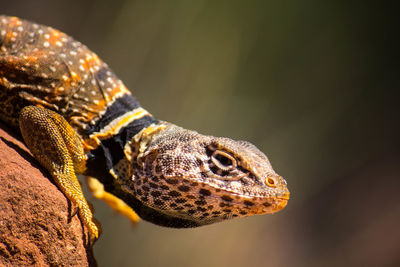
{"x": 223, "y": 160}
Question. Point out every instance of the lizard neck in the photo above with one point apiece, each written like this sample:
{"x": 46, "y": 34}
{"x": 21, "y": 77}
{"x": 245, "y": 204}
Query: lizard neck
{"x": 107, "y": 137}
{"x": 111, "y": 164}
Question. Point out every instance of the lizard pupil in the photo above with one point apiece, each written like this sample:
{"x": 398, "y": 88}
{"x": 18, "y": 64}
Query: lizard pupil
{"x": 223, "y": 160}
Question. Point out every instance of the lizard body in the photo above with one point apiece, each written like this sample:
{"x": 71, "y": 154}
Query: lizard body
{"x": 77, "y": 117}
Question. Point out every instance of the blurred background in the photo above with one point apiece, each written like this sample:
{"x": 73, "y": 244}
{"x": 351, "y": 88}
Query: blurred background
{"x": 312, "y": 83}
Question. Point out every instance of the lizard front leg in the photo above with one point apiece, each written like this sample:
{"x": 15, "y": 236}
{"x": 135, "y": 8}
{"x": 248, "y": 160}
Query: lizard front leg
{"x": 114, "y": 202}
{"x": 58, "y": 148}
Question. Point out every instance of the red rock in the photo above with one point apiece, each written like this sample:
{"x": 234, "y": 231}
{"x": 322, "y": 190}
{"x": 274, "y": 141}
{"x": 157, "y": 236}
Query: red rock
{"x": 35, "y": 223}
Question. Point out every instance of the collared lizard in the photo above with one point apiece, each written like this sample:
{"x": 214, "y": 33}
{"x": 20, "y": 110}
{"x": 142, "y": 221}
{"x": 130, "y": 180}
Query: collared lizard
{"x": 77, "y": 117}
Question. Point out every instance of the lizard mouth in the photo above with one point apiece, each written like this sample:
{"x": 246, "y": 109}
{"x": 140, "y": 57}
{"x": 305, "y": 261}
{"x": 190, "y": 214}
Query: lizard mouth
{"x": 199, "y": 201}
{"x": 254, "y": 200}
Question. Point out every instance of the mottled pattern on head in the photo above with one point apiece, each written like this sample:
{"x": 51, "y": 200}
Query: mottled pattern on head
{"x": 205, "y": 179}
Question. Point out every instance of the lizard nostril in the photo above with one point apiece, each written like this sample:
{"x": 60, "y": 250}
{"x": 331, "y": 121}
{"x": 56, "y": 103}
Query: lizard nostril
{"x": 270, "y": 181}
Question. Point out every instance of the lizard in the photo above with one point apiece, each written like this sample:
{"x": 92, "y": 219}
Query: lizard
{"x": 77, "y": 117}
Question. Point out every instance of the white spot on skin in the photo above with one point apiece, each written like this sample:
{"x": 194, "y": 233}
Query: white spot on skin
{"x": 93, "y": 92}
{"x": 52, "y": 68}
{"x": 109, "y": 89}
{"x": 3, "y": 32}
{"x": 46, "y": 44}
{"x": 110, "y": 80}
{"x": 94, "y": 82}
{"x": 40, "y": 31}
{"x": 101, "y": 83}
{"x": 81, "y": 68}
{"x": 96, "y": 102}
{"x": 72, "y": 53}
{"x": 47, "y": 36}
{"x": 63, "y": 55}
{"x": 58, "y": 43}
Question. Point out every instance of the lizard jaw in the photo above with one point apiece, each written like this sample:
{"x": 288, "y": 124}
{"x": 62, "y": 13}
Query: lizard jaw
{"x": 203, "y": 202}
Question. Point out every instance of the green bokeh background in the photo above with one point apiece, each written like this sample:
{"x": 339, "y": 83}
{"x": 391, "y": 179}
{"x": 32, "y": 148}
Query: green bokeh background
{"x": 312, "y": 83}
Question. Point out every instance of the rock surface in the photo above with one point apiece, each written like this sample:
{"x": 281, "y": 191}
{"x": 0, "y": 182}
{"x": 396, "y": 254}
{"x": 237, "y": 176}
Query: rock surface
{"x": 35, "y": 223}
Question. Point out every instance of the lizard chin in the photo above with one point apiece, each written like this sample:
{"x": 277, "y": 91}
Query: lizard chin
{"x": 195, "y": 202}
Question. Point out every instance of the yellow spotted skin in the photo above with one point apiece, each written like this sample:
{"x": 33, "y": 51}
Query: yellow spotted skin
{"x": 48, "y": 68}
{"x": 43, "y": 67}
{"x": 59, "y": 149}
{"x": 77, "y": 117}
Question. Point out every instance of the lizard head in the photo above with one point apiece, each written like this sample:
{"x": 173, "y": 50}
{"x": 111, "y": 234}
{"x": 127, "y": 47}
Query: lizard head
{"x": 204, "y": 179}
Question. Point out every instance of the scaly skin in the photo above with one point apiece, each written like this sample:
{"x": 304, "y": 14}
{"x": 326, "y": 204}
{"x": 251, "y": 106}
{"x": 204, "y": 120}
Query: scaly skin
{"x": 200, "y": 179}
{"x": 77, "y": 117}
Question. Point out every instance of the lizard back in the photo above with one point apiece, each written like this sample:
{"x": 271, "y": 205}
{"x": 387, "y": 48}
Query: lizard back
{"x": 42, "y": 66}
